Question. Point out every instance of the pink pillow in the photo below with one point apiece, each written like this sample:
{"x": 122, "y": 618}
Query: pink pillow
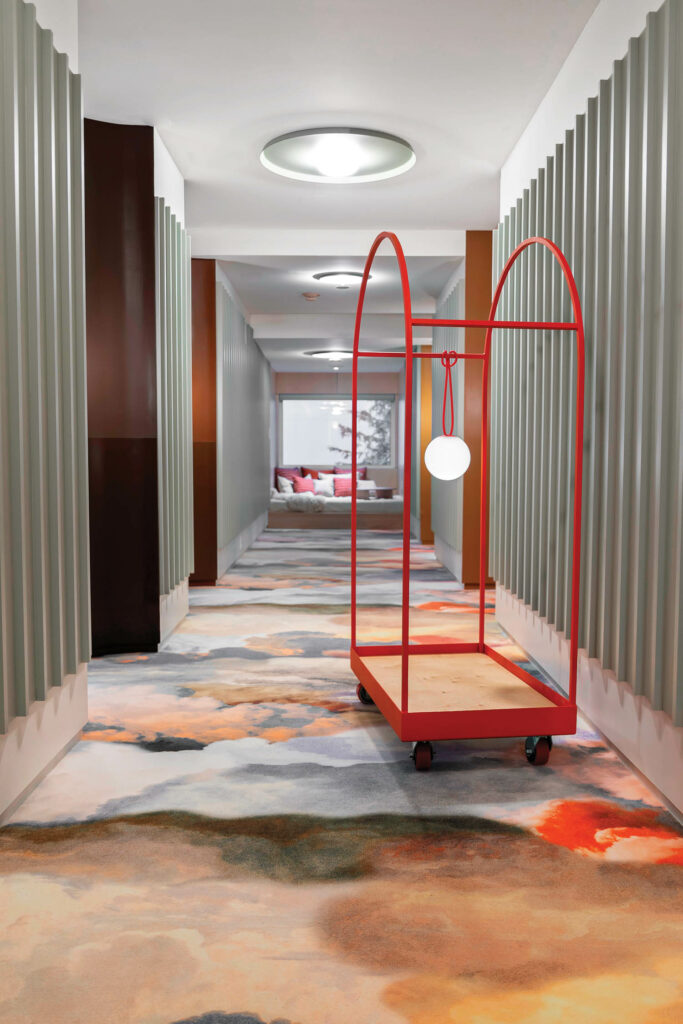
{"x": 342, "y": 486}
{"x": 301, "y": 485}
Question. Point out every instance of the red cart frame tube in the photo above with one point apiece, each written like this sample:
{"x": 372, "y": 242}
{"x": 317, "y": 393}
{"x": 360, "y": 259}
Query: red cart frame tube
{"x": 408, "y": 355}
{"x": 485, "y": 357}
{"x": 578, "y": 442}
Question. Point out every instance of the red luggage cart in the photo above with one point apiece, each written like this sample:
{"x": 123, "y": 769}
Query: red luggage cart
{"x": 463, "y": 690}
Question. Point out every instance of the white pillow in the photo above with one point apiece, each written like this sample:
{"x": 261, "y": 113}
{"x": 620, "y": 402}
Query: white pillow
{"x": 325, "y": 486}
{"x": 284, "y": 485}
{"x": 367, "y": 485}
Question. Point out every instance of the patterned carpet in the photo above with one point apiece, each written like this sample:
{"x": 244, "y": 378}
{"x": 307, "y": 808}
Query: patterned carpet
{"x": 236, "y": 840}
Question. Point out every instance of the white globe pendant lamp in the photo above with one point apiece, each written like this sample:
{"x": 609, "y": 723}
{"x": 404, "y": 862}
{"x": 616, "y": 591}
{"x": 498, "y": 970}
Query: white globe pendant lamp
{"x": 447, "y": 457}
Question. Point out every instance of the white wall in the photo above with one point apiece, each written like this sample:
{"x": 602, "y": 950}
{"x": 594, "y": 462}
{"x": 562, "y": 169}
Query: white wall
{"x": 61, "y": 17}
{"x": 604, "y": 40}
{"x": 169, "y": 183}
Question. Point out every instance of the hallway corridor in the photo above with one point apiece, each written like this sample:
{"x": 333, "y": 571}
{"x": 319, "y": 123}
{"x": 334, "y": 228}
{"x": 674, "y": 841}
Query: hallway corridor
{"x": 237, "y": 840}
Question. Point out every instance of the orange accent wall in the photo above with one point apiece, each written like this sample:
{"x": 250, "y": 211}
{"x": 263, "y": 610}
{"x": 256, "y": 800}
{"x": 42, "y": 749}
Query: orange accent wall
{"x": 478, "y": 269}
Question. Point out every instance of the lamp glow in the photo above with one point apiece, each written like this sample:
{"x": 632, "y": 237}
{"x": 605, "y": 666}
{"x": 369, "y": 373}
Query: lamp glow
{"x": 447, "y": 458}
{"x": 337, "y": 156}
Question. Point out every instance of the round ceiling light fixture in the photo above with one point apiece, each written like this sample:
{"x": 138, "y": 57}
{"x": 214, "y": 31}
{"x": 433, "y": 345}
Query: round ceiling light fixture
{"x": 333, "y": 354}
{"x": 338, "y": 156}
{"x": 341, "y": 279}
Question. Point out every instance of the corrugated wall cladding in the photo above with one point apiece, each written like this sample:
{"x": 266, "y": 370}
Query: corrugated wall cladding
{"x": 447, "y": 496}
{"x": 611, "y": 197}
{"x": 243, "y": 397}
{"x": 44, "y": 563}
{"x": 174, "y": 399}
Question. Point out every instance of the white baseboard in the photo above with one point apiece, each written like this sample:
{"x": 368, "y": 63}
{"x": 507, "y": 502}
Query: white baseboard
{"x": 34, "y": 743}
{"x": 228, "y": 555}
{"x": 449, "y": 557}
{"x": 648, "y": 739}
{"x": 173, "y": 608}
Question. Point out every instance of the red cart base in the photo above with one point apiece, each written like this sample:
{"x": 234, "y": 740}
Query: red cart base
{"x": 462, "y": 692}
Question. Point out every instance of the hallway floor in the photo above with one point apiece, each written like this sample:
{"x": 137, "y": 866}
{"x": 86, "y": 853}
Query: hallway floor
{"x": 237, "y": 840}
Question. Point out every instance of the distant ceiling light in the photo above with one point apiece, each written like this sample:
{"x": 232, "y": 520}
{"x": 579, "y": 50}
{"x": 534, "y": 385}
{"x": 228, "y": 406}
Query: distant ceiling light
{"x": 334, "y": 355}
{"x": 338, "y": 156}
{"x": 341, "y": 279}
{"x": 311, "y": 296}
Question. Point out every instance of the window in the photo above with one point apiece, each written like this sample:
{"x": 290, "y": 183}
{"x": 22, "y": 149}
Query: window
{"x": 317, "y": 431}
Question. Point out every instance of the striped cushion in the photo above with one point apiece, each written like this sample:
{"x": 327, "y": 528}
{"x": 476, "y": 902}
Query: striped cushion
{"x": 342, "y": 486}
{"x": 301, "y": 485}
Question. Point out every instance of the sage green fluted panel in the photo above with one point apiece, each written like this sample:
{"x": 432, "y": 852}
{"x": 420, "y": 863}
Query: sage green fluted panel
{"x": 44, "y": 563}
{"x": 447, "y": 495}
{"x": 610, "y": 196}
{"x": 174, "y": 399}
{"x": 243, "y": 420}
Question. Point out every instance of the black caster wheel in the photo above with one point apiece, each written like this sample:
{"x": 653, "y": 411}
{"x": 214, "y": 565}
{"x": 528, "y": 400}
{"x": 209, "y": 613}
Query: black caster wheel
{"x": 363, "y": 695}
{"x": 537, "y": 749}
{"x": 422, "y": 755}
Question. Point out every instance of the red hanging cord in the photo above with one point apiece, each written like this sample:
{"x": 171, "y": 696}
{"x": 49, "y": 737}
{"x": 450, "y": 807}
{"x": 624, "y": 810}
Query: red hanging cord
{"x": 448, "y": 359}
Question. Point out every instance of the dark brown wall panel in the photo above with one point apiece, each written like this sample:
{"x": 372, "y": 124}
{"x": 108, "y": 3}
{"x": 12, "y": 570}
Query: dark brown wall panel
{"x": 204, "y": 421}
{"x": 122, "y": 412}
{"x": 124, "y": 544}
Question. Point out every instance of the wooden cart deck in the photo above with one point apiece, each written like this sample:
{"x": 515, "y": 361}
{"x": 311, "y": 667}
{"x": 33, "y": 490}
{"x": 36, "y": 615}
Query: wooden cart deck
{"x": 454, "y": 682}
{"x": 464, "y": 695}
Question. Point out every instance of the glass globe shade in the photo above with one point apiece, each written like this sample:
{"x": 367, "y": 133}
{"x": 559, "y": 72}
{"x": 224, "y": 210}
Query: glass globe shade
{"x": 447, "y": 458}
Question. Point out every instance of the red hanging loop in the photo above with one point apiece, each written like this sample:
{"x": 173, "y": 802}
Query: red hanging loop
{"x": 448, "y": 360}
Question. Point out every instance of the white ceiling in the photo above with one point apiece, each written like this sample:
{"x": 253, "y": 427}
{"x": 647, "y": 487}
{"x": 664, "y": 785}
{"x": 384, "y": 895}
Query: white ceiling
{"x": 269, "y": 289}
{"x": 275, "y": 284}
{"x": 459, "y": 79}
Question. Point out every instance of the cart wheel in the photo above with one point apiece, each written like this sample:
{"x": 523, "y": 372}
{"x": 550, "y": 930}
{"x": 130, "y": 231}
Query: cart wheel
{"x": 422, "y": 755}
{"x": 363, "y": 695}
{"x": 537, "y": 749}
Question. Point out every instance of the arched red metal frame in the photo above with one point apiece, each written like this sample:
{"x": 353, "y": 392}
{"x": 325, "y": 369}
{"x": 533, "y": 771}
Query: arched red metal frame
{"x": 466, "y": 723}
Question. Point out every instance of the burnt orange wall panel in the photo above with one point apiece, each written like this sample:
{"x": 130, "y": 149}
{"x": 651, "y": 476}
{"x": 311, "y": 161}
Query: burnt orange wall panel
{"x": 426, "y": 532}
{"x": 478, "y": 267}
{"x": 204, "y": 422}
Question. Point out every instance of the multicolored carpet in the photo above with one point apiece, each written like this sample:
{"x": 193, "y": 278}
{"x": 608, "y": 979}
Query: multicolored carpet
{"x": 236, "y": 840}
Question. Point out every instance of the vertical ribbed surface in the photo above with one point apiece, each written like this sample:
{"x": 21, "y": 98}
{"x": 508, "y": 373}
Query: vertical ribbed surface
{"x": 447, "y": 496}
{"x": 174, "y": 399}
{"x": 611, "y": 197}
{"x": 243, "y": 418}
{"x": 44, "y": 561}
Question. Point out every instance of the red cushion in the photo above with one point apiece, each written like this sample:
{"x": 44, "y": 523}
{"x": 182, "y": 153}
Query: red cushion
{"x": 287, "y": 473}
{"x": 305, "y": 471}
{"x": 301, "y": 485}
{"x": 342, "y": 487}
{"x": 361, "y": 470}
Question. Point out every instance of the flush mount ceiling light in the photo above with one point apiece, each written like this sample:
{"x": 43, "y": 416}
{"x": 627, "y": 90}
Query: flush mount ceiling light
{"x": 338, "y": 156}
{"x": 334, "y": 355}
{"x": 341, "y": 279}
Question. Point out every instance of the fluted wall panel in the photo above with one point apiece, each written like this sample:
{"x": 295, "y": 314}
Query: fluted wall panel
{"x": 44, "y": 564}
{"x": 447, "y": 508}
{"x": 243, "y": 418}
{"x": 174, "y": 399}
{"x": 610, "y": 197}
